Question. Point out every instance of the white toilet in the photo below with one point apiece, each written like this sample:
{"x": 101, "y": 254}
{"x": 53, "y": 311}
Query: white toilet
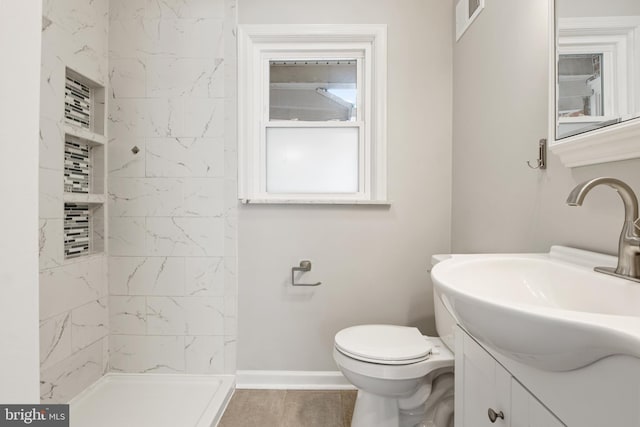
{"x": 404, "y": 379}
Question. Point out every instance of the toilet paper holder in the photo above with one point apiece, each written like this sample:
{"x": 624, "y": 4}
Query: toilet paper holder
{"x": 305, "y": 265}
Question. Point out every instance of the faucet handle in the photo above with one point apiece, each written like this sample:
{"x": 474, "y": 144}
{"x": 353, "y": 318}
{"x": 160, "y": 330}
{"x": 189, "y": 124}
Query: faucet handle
{"x": 636, "y": 223}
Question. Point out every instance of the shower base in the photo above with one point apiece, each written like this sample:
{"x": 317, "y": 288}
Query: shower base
{"x": 158, "y": 400}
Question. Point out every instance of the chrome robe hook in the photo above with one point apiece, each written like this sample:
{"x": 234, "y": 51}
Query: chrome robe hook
{"x": 541, "y": 162}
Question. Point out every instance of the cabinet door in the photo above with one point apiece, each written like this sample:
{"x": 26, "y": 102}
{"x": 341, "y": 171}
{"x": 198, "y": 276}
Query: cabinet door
{"x": 527, "y": 411}
{"x": 481, "y": 384}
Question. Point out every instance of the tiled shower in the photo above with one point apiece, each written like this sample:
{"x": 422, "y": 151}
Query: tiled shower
{"x": 138, "y": 231}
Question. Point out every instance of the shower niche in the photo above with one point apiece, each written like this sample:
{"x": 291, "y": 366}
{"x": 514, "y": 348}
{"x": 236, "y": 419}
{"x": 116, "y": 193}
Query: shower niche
{"x": 84, "y": 166}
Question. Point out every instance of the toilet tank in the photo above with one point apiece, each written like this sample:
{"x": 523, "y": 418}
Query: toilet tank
{"x": 445, "y": 322}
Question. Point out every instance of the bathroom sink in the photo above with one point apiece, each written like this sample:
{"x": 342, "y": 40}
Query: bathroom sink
{"x": 550, "y": 311}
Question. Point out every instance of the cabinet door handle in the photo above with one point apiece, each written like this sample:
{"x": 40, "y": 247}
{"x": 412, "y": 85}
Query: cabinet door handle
{"x": 493, "y": 415}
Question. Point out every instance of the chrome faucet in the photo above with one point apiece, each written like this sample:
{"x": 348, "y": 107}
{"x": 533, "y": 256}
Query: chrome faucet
{"x": 629, "y": 243}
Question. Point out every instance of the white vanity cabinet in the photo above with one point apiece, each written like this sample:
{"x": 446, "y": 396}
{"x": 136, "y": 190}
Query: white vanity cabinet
{"x": 483, "y": 384}
{"x": 527, "y": 411}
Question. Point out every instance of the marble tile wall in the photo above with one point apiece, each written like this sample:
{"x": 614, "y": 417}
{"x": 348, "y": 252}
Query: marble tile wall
{"x": 73, "y": 293}
{"x": 172, "y": 206}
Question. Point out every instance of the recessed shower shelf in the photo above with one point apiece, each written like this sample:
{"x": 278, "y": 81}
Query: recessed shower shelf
{"x": 84, "y": 166}
{"x": 88, "y": 136}
{"x": 84, "y": 227}
{"x": 91, "y": 199}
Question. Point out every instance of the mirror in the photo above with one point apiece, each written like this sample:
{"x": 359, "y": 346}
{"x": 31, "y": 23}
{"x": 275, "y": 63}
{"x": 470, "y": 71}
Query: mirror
{"x": 596, "y": 76}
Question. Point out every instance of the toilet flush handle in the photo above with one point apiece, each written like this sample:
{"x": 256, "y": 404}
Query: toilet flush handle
{"x": 305, "y": 266}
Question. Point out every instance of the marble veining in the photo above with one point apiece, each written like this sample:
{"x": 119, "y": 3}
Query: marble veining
{"x": 169, "y": 68}
{"x": 185, "y": 315}
{"x": 64, "y": 380}
{"x": 127, "y": 315}
{"x": 122, "y": 161}
{"x": 166, "y": 197}
{"x": 184, "y": 77}
{"x": 73, "y": 303}
{"x": 204, "y": 276}
{"x": 172, "y": 210}
{"x": 183, "y": 236}
{"x": 51, "y": 250}
{"x": 89, "y": 323}
{"x": 204, "y": 354}
{"x": 55, "y": 339}
{"x": 145, "y": 353}
{"x": 51, "y": 143}
{"x": 185, "y": 157}
{"x": 71, "y": 285}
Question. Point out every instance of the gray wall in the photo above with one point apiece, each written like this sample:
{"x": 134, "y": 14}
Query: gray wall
{"x": 372, "y": 260}
{"x": 500, "y": 112}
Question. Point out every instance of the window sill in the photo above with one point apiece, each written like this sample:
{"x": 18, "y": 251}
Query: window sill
{"x": 314, "y": 202}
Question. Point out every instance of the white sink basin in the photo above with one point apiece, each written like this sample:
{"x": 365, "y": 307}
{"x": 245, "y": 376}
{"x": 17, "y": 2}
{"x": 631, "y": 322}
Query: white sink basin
{"x": 550, "y": 311}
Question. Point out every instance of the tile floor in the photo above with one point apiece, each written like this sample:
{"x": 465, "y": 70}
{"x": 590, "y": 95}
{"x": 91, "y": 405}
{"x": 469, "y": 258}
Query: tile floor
{"x": 289, "y": 408}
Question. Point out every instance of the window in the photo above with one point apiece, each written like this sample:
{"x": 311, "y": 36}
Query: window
{"x": 596, "y": 63}
{"x": 466, "y": 12}
{"x": 312, "y": 116}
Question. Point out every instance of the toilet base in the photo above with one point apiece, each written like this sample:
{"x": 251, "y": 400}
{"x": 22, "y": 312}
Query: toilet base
{"x": 372, "y": 410}
{"x": 375, "y": 411}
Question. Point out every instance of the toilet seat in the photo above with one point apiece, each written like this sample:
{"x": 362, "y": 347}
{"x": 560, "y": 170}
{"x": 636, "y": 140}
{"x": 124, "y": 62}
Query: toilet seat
{"x": 441, "y": 357}
{"x": 383, "y": 344}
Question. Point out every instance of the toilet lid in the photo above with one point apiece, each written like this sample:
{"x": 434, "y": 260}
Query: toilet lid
{"x": 386, "y": 344}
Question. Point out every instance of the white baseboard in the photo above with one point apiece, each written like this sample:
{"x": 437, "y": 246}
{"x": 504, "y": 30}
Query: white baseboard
{"x": 292, "y": 380}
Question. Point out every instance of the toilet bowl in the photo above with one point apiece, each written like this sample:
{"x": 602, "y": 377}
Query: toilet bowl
{"x": 404, "y": 379}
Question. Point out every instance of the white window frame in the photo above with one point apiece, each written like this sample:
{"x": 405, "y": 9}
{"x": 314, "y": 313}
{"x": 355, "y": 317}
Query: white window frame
{"x": 610, "y": 143}
{"x": 615, "y": 65}
{"x": 463, "y": 19}
{"x": 259, "y": 44}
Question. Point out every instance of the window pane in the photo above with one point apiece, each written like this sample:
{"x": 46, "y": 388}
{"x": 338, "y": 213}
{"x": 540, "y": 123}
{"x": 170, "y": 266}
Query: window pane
{"x": 312, "y": 160}
{"x": 580, "y": 85}
{"x": 313, "y": 90}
